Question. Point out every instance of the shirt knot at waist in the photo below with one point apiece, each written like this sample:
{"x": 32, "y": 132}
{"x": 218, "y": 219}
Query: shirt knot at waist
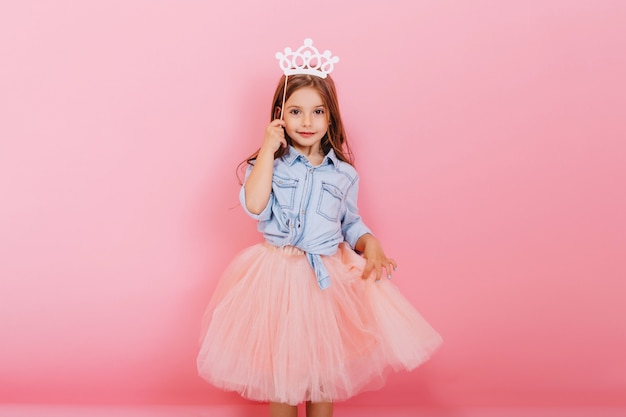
{"x": 314, "y": 259}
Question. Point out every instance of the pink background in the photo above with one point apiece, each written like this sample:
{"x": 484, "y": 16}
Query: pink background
{"x": 490, "y": 140}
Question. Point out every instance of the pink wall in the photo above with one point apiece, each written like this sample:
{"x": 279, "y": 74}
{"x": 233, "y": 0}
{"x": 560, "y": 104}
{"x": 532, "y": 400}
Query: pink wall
{"x": 490, "y": 140}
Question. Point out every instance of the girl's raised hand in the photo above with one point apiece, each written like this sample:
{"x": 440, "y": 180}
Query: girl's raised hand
{"x": 259, "y": 183}
{"x": 274, "y": 137}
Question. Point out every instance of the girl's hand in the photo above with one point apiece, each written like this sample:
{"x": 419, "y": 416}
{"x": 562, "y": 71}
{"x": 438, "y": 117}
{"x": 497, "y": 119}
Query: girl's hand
{"x": 376, "y": 261}
{"x": 274, "y": 137}
{"x": 258, "y": 186}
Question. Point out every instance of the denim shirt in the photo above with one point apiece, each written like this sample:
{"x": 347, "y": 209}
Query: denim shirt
{"x": 311, "y": 207}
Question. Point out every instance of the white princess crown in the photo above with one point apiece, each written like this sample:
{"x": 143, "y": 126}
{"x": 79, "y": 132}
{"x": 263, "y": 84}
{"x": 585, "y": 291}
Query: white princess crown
{"x": 306, "y": 60}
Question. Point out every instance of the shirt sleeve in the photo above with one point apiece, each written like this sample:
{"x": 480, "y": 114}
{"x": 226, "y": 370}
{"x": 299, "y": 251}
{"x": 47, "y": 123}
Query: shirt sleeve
{"x": 352, "y": 226}
{"x": 267, "y": 211}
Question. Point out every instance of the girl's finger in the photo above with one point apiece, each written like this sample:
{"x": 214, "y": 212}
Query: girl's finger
{"x": 390, "y": 266}
{"x": 379, "y": 271}
{"x": 278, "y": 123}
{"x": 367, "y": 270}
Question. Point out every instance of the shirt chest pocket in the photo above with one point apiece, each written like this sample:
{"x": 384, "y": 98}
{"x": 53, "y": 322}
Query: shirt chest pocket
{"x": 329, "y": 204}
{"x": 285, "y": 191}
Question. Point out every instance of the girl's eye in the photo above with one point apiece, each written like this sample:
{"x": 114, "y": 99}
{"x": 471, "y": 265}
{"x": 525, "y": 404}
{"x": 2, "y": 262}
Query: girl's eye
{"x": 295, "y": 112}
{"x": 319, "y": 111}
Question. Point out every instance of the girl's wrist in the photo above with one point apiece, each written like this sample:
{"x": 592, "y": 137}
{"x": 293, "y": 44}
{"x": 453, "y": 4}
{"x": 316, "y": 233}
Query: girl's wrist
{"x": 266, "y": 153}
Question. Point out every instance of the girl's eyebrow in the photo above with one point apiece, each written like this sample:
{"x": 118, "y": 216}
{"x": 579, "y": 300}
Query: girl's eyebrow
{"x": 291, "y": 106}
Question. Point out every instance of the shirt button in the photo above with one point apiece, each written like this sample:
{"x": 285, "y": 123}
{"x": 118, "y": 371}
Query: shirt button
{"x": 311, "y": 170}
{"x": 303, "y": 212}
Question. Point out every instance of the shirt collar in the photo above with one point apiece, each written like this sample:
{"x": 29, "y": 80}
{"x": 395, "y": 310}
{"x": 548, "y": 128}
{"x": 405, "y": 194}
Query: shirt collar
{"x": 292, "y": 155}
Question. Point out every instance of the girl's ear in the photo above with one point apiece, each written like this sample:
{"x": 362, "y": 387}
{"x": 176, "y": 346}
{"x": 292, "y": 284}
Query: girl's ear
{"x": 276, "y": 112}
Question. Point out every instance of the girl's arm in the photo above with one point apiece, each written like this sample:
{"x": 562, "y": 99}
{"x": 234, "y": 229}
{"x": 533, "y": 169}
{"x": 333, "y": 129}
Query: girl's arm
{"x": 258, "y": 185}
{"x": 361, "y": 239}
{"x": 375, "y": 257}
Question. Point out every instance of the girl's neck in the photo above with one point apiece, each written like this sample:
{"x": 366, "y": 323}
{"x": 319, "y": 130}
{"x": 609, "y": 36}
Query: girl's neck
{"x": 314, "y": 154}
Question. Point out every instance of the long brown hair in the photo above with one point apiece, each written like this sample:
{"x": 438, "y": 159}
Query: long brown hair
{"x": 335, "y": 137}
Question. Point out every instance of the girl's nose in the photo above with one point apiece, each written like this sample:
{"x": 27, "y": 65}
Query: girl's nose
{"x": 306, "y": 120}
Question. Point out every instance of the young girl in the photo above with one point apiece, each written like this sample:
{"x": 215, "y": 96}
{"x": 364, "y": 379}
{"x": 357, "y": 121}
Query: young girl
{"x": 303, "y": 316}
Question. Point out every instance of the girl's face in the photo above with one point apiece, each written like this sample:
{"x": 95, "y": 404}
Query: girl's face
{"x": 306, "y": 119}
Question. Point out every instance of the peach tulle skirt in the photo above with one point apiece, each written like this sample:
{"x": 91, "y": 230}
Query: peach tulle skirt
{"x": 271, "y": 334}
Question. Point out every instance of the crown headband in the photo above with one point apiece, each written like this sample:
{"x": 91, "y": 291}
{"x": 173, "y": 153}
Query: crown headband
{"x": 307, "y": 59}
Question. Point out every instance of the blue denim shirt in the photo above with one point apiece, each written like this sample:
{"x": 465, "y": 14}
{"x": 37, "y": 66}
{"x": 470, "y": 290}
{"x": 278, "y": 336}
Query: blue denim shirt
{"x": 311, "y": 207}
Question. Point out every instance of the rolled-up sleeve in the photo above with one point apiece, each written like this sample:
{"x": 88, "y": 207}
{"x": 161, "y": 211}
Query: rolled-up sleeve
{"x": 352, "y": 226}
{"x": 267, "y": 211}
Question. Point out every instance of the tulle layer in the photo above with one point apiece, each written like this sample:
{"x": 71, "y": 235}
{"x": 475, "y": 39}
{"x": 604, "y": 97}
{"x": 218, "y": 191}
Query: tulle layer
{"x": 271, "y": 334}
